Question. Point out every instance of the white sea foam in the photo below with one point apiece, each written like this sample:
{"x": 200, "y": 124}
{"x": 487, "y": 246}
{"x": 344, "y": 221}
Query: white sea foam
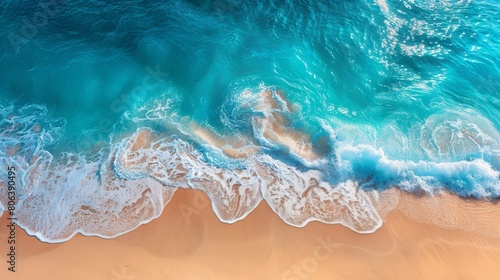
{"x": 27, "y": 130}
{"x": 299, "y": 197}
{"x": 175, "y": 162}
{"x": 454, "y": 135}
{"x": 59, "y": 199}
{"x": 1, "y": 209}
{"x": 372, "y": 167}
{"x": 235, "y": 193}
{"x": 77, "y": 196}
{"x": 337, "y": 179}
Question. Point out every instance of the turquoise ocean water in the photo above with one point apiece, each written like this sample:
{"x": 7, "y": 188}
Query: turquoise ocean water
{"x": 388, "y": 93}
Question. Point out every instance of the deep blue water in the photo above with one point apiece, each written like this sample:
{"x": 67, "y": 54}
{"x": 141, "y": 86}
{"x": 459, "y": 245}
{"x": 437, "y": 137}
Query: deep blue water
{"x": 407, "y": 92}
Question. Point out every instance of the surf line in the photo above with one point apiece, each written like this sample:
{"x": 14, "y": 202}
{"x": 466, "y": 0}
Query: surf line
{"x": 11, "y": 208}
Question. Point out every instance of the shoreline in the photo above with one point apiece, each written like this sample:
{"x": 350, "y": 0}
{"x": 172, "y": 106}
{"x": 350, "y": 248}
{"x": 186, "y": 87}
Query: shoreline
{"x": 188, "y": 242}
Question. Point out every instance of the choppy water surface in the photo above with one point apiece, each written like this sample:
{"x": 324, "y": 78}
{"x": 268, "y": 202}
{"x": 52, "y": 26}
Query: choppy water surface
{"x": 315, "y": 107}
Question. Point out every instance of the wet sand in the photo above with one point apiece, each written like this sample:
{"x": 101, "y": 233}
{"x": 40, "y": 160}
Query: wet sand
{"x": 189, "y": 242}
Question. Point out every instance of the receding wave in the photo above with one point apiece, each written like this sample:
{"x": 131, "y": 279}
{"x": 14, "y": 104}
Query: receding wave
{"x": 333, "y": 173}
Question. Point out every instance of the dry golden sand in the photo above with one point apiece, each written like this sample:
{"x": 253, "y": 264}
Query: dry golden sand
{"x": 188, "y": 242}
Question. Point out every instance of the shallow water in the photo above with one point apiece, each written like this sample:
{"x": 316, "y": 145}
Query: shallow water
{"x": 309, "y": 105}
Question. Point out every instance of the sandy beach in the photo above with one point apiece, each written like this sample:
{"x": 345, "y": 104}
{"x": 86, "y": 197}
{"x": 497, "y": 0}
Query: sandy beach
{"x": 189, "y": 242}
{"x": 250, "y": 140}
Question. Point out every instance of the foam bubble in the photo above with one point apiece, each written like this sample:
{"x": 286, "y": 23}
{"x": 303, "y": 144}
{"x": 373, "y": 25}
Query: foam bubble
{"x": 300, "y": 197}
{"x": 85, "y": 197}
{"x": 234, "y": 193}
{"x": 162, "y": 108}
{"x": 175, "y": 162}
{"x": 273, "y": 128}
{"x": 372, "y": 167}
{"x": 269, "y": 118}
{"x": 27, "y": 130}
{"x": 452, "y": 136}
{"x": 59, "y": 199}
{"x": 338, "y": 175}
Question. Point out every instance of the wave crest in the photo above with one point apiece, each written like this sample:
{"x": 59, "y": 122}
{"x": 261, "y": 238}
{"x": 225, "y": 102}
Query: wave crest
{"x": 329, "y": 176}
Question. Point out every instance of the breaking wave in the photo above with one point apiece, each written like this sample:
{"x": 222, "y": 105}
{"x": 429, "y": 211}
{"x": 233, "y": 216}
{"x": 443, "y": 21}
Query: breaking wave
{"x": 330, "y": 173}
